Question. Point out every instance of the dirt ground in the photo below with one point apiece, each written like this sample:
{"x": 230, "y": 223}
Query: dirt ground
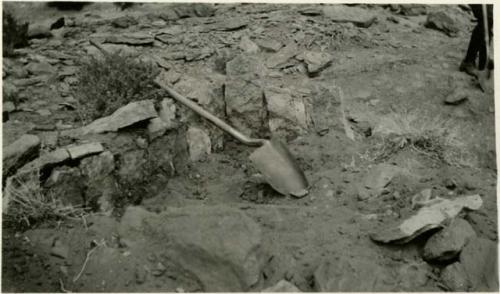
{"x": 197, "y": 225}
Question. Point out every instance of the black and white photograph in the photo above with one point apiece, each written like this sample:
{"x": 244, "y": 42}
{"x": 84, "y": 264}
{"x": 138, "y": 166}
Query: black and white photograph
{"x": 248, "y": 147}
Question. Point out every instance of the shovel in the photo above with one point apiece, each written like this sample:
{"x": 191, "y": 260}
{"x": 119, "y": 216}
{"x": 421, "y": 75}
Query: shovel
{"x": 272, "y": 158}
{"x": 484, "y": 75}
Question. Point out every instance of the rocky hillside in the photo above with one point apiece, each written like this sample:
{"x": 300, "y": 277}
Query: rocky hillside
{"x": 111, "y": 185}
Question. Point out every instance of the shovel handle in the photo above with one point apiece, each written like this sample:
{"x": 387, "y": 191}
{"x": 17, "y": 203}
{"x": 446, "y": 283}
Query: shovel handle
{"x": 213, "y": 119}
{"x": 99, "y": 46}
{"x": 486, "y": 32}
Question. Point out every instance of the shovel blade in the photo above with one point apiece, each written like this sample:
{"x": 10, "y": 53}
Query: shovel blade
{"x": 279, "y": 168}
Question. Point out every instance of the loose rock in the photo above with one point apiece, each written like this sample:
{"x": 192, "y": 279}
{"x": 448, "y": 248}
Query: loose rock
{"x": 230, "y": 24}
{"x": 39, "y": 30}
{"x": 140, "y": 275}
{"x": 376, "y": 180}
{"x": 98, "y": 166}
{"x": 59, "y": 249}
{"x": 199, "y": 144}
{"x": 311, "y": 11}
{"x": 285, "y": 111}
{"x": 456, "y": 97}
{"x": 80, "y": 151}
{"x": 454, "y": 278}
{"x": 327, "y": 111}
{"x": 348, "y": 275}
{"x": 167, "y": 112}
{"x": 125, "y": 116}
{"x": 8, "y": 106}
{"x": 413, "y": 275}
{"x": 269, "y": 45}
{"x": 282, "y": 286}
{"x": 447, "y": 243}
{"x": 244, "y": 64}
{"x": 68, "y": 184}
{"x": 315, "y": 61}
{"x": 47, "y": 161}
{"x": 248, "y": 46}
{"x": 40, "y": 68}
{"x": 441, "y": 21}
{"x": 124, "y": 22}
{"x": 156, "y": 128}
{"x": 358, "y": 16}
{"x": 422, "y": 198}
{"x": 282, "y": 57}
{"x": 221, "y": 246}
{"x": 427, "y": 218}
{"x": 18, "y": 153}
{"x": 480, "y": 262}
{"x": 131, "y": 39}
{"x": 245, "y": 106}
{"x": 132, "y": 166}
{"x": 412, "y": 9}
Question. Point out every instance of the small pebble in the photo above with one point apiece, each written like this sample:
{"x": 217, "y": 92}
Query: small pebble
{"x": 140, "y": 275}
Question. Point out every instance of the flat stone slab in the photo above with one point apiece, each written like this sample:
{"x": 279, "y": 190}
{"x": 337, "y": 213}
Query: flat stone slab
{"x": 358, "y": 16}
{"x": 125, "y": 116}
{"x": 131, "y": 39}
{"x": 427, "y": 218}
{"x": 80, "y": 151}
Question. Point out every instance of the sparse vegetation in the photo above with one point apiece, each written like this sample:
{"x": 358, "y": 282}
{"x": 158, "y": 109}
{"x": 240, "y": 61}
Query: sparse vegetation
{"x": 15, "y": 35}
{"x": 25, "y": 202}
{"x": 105, "y": 84}
{"x": 433, "y": 137}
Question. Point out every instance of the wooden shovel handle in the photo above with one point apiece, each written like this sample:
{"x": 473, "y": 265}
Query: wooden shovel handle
{"x": 207, "y": 115}
{"x": 486, "y": 32}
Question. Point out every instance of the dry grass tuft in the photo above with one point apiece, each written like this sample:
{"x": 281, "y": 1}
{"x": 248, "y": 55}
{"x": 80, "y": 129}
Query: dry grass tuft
{"x": 432, "y": 136}
{"x": 25, "y": 203}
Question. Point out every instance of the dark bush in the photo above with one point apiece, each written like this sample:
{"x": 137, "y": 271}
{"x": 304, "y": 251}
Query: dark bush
{"x": 106, "y": 84}
{"x": 15, "y": 35}
{"x": 68, "y": 5}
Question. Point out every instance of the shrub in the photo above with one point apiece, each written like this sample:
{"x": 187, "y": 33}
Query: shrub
{"x": 14, "y": 35}
{"x": 105, "y": 84}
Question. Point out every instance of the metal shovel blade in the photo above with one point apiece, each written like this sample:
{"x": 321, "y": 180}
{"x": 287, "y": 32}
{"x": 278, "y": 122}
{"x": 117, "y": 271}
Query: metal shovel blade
{"x": 279, "y": 168}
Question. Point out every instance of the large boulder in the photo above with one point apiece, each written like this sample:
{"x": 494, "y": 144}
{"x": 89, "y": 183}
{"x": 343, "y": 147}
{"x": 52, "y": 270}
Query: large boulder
{"x": 348, "y": 275}
{"x": 447, "y": 243}
{"x": 479, "y": 259}
{"x": 326, "y": 111}
{"x": 441, "y": 21}
{"x": 286, "y": 111}
{"x": 221, "y": 246}
{"x": 245, "y": 106}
